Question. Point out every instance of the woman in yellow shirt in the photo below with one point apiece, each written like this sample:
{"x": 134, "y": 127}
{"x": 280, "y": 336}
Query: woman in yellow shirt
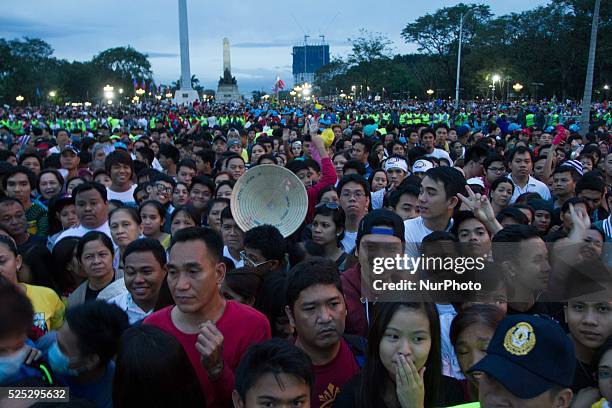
{"x": 48, "y": 308}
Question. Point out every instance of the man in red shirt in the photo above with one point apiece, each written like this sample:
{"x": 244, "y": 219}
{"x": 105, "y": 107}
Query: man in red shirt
{"x": 316, "y": 308}
{"x": 215, "y": 333}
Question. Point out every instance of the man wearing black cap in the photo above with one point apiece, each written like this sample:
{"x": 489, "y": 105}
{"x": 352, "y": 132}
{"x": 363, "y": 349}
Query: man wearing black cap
{"x": 379, "y": 227}
{"x": 530, "y": 363}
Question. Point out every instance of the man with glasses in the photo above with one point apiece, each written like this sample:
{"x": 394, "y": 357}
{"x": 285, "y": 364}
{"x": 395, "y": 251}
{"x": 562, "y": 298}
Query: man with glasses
{"x": 264, "y": 249}
{"x": 354, "y": 193}
{"x": 161, "y": 189}
{"x": 494, "y": 167}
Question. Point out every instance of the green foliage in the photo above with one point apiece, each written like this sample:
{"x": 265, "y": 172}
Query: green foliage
{"x": 28, "y": 68}
{"x": 546, "y": 45}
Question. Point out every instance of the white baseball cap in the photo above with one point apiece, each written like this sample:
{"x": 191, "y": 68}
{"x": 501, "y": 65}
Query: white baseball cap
{"x": 421, "y": 166}
{"x": 396, "y": 163}
{"x": 475, "y": 181}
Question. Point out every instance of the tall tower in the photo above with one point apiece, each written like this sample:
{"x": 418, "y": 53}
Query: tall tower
{"x": 227, "y": 91}
{"x": 186, "y": 94}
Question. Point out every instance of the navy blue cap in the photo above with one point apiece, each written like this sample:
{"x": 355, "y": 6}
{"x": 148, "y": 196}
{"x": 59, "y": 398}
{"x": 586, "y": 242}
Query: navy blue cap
{"x": 379, "y": 218}
{"x": 529, "y": 355}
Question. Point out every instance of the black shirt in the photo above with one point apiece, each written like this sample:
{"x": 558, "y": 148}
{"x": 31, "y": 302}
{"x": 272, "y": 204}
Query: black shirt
{"x": 451, "y": 393}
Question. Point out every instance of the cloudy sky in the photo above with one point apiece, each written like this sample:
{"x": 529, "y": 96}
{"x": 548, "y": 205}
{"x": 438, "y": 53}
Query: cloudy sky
{"x": 261, "y": 33}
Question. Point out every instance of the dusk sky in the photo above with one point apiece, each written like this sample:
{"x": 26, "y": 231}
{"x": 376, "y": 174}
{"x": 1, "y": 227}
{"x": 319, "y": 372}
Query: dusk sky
{"x": 261, "y": 33}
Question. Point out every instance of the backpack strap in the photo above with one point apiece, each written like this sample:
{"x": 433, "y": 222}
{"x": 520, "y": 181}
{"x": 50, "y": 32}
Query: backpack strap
{"x": 358, "y": 346}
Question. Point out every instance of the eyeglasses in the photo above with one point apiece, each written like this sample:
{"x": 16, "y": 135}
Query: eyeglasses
{"x": 330, "y": 204}
{"x": 357, "y": 194}
{"x": 497, "y": 169}
{"x": 249, "y": 262}
{"x": 163, "y": 189}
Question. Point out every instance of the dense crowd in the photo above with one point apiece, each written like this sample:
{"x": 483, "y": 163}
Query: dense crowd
{"x": 126, "y": 277}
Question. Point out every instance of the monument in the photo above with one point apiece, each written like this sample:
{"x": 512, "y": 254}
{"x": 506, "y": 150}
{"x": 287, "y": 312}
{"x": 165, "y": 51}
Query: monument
{"x": 227, "y": 90}
{"x": 186, "y": 94}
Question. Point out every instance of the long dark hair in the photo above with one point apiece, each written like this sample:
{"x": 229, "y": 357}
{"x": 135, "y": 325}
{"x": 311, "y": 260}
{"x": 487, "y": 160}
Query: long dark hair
{"x": 374, "y": 376}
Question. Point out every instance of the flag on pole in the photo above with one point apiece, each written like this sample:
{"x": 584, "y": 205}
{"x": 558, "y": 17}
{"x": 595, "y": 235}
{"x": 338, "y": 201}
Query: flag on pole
{"x": 135, "y": 82}
{"x": 278, "y": 85}
{"x": 144, "y": 84}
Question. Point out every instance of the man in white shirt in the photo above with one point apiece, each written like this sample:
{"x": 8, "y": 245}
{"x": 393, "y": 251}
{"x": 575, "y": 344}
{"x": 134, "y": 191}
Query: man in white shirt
{"x": 120, "y": 166}
{"x": 91, "y": 205}
{"x": 62, "y": 139}
{"x": 144, "y": 273}
{"x": 428, "y": 140}
{"x": 437, "y": 201}
{"x": 521, "y": 164}
{"x": 354, "y": 194}
{"x": 396, "y": 169}
{"x": 233, "y": 237}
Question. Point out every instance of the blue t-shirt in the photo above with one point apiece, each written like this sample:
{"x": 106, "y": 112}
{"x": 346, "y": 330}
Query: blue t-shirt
{"x": 100, "y": 392}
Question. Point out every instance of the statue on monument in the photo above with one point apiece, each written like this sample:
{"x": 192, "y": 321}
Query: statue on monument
{"x": 227, "y": 90}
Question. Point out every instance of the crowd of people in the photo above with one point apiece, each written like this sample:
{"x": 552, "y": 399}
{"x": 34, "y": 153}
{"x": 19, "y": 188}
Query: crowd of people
{"x": 126, "y": 277}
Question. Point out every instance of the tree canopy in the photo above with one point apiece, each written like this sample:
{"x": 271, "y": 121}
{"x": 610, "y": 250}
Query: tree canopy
{"x": 545, "y": 49}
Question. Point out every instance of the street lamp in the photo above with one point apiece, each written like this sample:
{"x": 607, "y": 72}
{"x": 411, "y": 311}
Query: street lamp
{"x": 463, "y": 16}
{"x": 430, "y": 92}
{"x": 495, "y": 78}
{"x": 19, "y": 98}
{"x": 517, "y": 87}
{"x": 140, "y": 92}
{"x": 169, "y": 95}
{"x": 120, "y": 90}
{"x": 108, "y": 92}
{"x": 52, "y": 94}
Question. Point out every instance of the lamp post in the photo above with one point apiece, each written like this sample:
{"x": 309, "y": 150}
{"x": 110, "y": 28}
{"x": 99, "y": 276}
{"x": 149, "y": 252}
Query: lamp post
{"x": 463, "y": 16}
{"x": 19, "y": 98}
{"x": 606, "y": 88}
{"x": 430, "y": 92}
{"x": 495, "y": 79}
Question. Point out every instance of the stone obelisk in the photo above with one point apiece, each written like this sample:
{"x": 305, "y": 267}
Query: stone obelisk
{"x": 227, "y": 66}
{"x": 227, "y": 91}
{"x": 186, "y": 94}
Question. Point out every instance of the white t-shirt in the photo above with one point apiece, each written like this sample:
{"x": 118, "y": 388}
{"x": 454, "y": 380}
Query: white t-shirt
{"x": 349, "y": 241}
{"x": 126, "y": 197}
{"x": 239, "y": 263}
{"x": 415, "y": 231}
{"x": 450, "y": 365}
{"x": 378, "y": 198}
{"x": 533, "y": 186}
{"x": 80, "y": 230}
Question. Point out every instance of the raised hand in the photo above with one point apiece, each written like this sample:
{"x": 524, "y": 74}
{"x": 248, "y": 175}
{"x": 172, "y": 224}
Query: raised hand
{"x": 580, "y": 224}
{"x": 409, "y": 384}
{"x": 479, "y": 204}
{"x": 314, "y": 126}
{"x": 210, "y": 346}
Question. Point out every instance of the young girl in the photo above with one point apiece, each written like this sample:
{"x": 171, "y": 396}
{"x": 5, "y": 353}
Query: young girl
{"x": 403, "y": 364}
{"x": 328, "y": 232}
{"x": 153, "y": 216}
{"x": 470, "y": 333}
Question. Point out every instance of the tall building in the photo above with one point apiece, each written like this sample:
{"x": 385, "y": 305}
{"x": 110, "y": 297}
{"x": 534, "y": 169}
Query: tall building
{"x": 308, "y": 58}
